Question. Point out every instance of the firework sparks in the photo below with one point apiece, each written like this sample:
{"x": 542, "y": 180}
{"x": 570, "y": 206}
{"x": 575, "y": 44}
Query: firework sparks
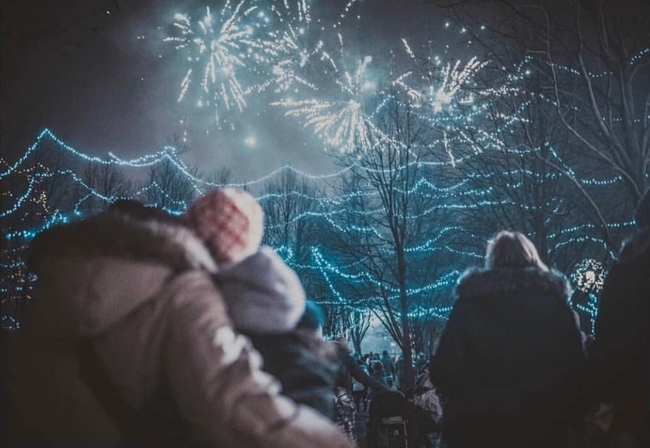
{"x": 218, "y": 48}
{"x": 289, "y": 60}
{"x": 341, "y": 123}
{"x": 289, "y": 55}
{"x": 439, "y": 86}
{"x": 298, "y": 10}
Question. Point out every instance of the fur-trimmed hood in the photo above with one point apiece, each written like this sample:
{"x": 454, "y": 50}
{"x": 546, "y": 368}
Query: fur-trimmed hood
{"x": 513, "y": 296}
{"x": 476, "y": 282}
{"x": 92, "y": 273}
{"x": 263, "y": 294}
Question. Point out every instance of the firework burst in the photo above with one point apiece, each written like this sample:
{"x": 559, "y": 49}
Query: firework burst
{"x": 218, "y": 47}
{"x": 341, "y": 123}
{"x": 287, "y": 60}
{"x": 437, "y": 87}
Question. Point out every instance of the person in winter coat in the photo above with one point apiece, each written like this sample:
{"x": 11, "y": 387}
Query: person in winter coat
{"x": 510, "y": 354}
{"x": 421, "y": 364}
{"x": 617, "y": 374}
{"x": 305, "y": 365}
{"x": 127, "y": 341}
{"x": 345, "y": 411}
{"x": 359, "y": 392}
{"x": 400, "y": 373}
{"x": 389, "y": 365}
{"x": 265, "y": 297}
{"x": 377, "y": 373}
{"x": 350, "y": 369}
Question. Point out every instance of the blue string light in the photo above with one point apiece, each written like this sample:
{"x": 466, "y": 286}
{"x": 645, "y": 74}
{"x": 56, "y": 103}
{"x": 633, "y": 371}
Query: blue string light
{"x": 445, "y": 98}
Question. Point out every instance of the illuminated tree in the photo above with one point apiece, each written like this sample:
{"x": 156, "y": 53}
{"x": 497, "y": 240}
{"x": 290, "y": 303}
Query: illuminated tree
{"x": 358, "y": 324}
{"x": 591, "y": 61}
{"x": 220, "y": 177}
{"x": 387, "y": 220}
{"x": 169, "y": 188}
{"x": 34, "y": 195}
{"x": 105, "y": 182}
{"x": 293, "y": 209}
{"x": 522, "y": 178}
{"x": 288, "y": 202}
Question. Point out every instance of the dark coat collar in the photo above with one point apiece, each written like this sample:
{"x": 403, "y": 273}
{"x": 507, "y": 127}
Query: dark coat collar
{"x": 478, "y": 282}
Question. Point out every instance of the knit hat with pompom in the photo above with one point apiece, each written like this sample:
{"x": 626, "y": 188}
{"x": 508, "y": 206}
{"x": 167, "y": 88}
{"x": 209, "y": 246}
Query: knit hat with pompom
{"x": 229, "y": 221}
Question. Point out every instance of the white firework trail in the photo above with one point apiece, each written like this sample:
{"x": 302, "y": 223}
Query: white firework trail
{"x": 298, "y": 10}
{"x": 345, "y": 12}
{"x": 448, "y": 150}
{"x": 287, "y": 59}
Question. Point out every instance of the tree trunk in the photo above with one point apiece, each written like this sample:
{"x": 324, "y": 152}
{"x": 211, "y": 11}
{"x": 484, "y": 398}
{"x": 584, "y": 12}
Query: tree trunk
{"x": 406, "y": 329}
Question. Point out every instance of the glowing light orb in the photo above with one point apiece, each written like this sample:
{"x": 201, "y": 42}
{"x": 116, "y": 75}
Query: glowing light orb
{"x": 589, "y": 276}
{"x": 250, "y": 141}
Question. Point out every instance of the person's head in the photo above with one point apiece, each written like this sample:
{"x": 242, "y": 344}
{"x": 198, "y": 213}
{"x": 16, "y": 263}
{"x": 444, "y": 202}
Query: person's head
{"x": 312, "y": 319}
{"x": 229, "y": 221}
{"x": 384, "y": 353}
{"x": 642, "y": 213}
{"x": 512, "y": 250}
{"x": 377, "y": 367}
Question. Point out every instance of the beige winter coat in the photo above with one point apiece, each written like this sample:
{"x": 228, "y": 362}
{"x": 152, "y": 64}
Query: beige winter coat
{"x": 142, "y": 293}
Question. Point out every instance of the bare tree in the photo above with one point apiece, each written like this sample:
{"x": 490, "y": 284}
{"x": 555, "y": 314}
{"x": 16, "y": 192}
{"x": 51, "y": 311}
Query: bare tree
{"x": 522, "y": 178}
{"x": 105, "y": 183}
{"x": 358, "y": 324}
{"x": 293, "y": 207}
{"x": 290, "y": 204}
{"x": 387, "y": 218}
{"x": 39, "y": 192}
{"x": 169, "y": 187}
{"x": 591, "y": 62}
{"x": 220, "y": 177}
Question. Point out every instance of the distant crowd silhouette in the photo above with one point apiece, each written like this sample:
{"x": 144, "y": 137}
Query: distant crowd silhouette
{"x": 147, "y": 329}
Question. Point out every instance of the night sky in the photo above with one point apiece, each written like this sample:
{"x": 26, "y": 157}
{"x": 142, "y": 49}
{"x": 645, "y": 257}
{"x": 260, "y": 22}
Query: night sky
{"x": 99, "y": 75}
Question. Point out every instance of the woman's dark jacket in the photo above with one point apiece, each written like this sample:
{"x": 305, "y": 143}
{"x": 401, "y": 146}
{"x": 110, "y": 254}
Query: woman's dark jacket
{"x": 509, "y": 359}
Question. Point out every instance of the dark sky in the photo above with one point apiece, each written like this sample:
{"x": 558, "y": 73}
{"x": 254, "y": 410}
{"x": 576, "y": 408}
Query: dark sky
{"x": 98, "y": 74}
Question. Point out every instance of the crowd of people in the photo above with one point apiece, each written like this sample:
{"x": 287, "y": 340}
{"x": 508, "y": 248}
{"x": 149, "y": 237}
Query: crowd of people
{"x": 147, "y": 329}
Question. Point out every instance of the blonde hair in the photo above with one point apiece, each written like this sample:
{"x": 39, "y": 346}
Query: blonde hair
{"x": 512, "y": 250}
